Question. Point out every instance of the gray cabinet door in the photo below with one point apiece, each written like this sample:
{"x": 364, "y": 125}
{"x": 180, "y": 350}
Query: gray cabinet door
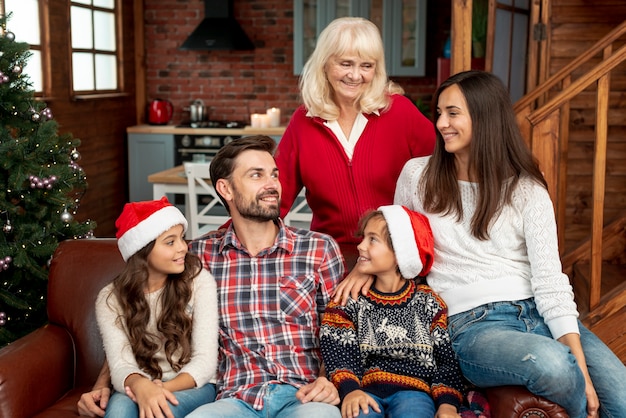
{"x": 147, "y": 154}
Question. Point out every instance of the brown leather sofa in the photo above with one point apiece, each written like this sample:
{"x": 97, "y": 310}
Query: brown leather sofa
{"x": 43, "y": 374}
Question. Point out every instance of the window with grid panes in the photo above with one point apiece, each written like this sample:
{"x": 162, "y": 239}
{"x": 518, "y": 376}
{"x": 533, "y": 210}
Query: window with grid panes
{"x": 94, "y": 45}
{"x": 25, "y": 24}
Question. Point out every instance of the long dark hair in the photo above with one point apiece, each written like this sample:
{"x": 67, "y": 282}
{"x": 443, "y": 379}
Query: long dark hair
{"x": 174, "y": 323}
{"x": 498, "y": 154}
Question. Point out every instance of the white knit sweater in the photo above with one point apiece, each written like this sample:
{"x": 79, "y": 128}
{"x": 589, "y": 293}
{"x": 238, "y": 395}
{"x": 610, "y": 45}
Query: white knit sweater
{"x": 203, "y": 309}
{"x": 519, "y": 260}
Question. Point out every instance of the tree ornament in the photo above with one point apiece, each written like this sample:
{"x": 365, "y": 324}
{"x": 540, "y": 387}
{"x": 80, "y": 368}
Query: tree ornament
{"x": 17, "y": 69}
{"x": 75, "y": 155}
{"x": 9, "y": 35}
{"x": 4, "y": 262}
{"x": 3, "y": 319}
{"x": 7, "y": 228}
{"x": 47, "y": 113}
{"x": 35, "y": 117}
{"x": 66, "y": 216}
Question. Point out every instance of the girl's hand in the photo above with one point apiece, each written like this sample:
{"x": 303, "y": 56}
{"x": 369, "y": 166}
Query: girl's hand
{"x": 355, "y": 401}
{"x": 593, "y": 403}
{"x": 447, "y": 411}
{"x": 351, "y": 285}
{"x": 151, "y": 398}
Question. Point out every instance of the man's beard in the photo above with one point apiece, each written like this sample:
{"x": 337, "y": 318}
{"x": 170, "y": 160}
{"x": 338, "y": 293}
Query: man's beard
{"x": 255, "y": 211}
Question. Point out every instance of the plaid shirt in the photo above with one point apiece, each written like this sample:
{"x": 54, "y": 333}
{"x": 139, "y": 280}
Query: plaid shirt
{"x": 270, "y": 308}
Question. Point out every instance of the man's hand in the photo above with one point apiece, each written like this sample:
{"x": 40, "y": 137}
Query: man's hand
{"x": 353, "y": 284}
{"x": 356, "y": 401}
{"x": 93, "y": 404}
{"x": 321, "y": 390}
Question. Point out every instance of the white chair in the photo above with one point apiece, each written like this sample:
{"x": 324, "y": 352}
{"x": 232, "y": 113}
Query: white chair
{"x": 300, "y": 214}
{"x": 206, "y": 210}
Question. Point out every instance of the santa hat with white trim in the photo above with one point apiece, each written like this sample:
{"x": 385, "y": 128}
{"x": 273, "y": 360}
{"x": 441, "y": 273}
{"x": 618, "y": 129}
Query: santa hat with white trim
{"x": 412, "y": 240}
{"x": 143, "y": 222}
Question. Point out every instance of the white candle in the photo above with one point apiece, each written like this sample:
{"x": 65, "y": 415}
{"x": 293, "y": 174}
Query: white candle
{"x": 274, "y": 117}
{"x": 255, "y": 120}
{"x": 265, "y": 121}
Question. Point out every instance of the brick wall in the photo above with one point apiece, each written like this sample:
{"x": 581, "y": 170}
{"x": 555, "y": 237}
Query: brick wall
{"x": 237, "y": 83}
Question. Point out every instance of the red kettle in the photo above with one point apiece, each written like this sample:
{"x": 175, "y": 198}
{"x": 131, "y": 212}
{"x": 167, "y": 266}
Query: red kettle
{"x": 160, "y": 112}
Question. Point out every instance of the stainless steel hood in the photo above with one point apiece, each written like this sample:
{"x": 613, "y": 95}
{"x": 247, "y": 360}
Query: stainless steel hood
{"x": 218, "y": 29}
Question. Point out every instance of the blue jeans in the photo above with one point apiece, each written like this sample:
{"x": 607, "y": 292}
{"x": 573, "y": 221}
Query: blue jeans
{"x": 508, "y": 343}
{"x": 121, "y": 406}
{"x": 403, "y": 404}
{"x": 279, "y": 402}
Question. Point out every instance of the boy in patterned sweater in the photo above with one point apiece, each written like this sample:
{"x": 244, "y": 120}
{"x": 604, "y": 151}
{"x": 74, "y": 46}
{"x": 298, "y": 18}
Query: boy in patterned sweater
{"x": 390, "y": 350}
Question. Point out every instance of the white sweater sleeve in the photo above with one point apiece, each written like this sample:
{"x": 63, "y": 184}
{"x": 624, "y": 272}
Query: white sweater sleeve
{"x": 553, "y": 292}
{"x": 117, "y": 348}
{"x": 203, "y": 364}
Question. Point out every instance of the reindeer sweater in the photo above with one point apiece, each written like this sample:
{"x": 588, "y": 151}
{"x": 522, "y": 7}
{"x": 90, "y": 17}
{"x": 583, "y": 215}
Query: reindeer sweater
{"x": 384, "y": 343}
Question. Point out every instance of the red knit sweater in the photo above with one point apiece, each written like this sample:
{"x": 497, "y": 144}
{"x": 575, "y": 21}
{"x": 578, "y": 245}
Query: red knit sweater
{"x": 340, "y": 190}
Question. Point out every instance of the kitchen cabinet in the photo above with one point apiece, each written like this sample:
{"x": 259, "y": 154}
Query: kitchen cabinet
{"x": 147, "y": 154}
{"x": 402, "y": 24}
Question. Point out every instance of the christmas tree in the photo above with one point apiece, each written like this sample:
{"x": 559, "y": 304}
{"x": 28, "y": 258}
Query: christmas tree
{"x": 41, "y": 185}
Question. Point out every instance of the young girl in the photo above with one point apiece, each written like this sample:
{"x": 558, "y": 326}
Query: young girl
{"x": 389, "y": 350}
{"x": 158, "y": 318}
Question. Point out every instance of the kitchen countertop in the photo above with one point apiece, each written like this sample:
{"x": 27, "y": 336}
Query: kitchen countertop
{"x": 173, "y": 129}
{"x": 175, "y": 175}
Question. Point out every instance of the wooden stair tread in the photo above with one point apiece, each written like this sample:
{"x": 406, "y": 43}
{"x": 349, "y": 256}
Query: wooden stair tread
{"x": 613, "y": 275}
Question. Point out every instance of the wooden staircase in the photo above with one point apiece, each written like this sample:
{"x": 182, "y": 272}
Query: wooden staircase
{"x": 594, "y": 255}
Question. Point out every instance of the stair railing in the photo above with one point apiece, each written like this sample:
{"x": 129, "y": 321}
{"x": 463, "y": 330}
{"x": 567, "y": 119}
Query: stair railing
{"x": 547, "y": 130}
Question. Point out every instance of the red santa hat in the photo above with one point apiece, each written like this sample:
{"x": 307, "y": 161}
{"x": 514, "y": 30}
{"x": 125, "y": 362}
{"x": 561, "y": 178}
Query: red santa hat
{"x": 412, "y": 240}
{"x": 143, "y": 222}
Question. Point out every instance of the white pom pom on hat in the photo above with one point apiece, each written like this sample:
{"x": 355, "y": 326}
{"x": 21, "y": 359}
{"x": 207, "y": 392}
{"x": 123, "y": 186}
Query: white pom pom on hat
{"x": 412, "y": 239}
{"x": 142, "y": 222}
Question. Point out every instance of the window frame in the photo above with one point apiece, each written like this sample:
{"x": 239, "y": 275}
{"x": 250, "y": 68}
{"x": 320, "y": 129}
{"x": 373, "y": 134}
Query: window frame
{"x": 118, "y": 53}
{"x": 43, "y": 47}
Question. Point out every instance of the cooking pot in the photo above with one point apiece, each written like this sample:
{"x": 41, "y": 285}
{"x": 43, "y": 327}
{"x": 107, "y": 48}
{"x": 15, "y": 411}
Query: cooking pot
{"x": 198, "y": 112}
{"x": 160, "y": 112}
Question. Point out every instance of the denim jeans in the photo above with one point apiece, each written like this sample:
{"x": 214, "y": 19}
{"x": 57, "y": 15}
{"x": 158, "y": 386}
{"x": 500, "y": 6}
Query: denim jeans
{"x": 403, "y": 404}
{"x": 121, "y": 406}
{"x": 279, "y": 402}
{"x": 508, "y": 343}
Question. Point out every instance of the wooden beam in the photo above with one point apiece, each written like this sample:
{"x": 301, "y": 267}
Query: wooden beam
{"x": 599, "y": 175}
{"x": 461, "y": 39}
{"x": 141, "y": 99}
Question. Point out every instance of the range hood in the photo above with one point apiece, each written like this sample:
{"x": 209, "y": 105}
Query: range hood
{"x": 218, "y": 29}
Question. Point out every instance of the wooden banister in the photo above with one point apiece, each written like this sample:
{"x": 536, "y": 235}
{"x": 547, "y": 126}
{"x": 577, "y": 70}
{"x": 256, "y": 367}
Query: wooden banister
{"x": 579, "y": 85}
{"x": 547, "y": 131}
{"x": 566, "y": 71}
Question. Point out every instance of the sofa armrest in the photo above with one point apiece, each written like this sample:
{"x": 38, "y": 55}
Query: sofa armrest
{"x": 517, "y": 401}
{"x": 35, "y": 371}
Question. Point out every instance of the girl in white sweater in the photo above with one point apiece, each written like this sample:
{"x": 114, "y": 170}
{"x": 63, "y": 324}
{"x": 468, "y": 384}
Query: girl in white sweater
{"x": 512, "y": 315}
{"x": 158, "y": 318}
